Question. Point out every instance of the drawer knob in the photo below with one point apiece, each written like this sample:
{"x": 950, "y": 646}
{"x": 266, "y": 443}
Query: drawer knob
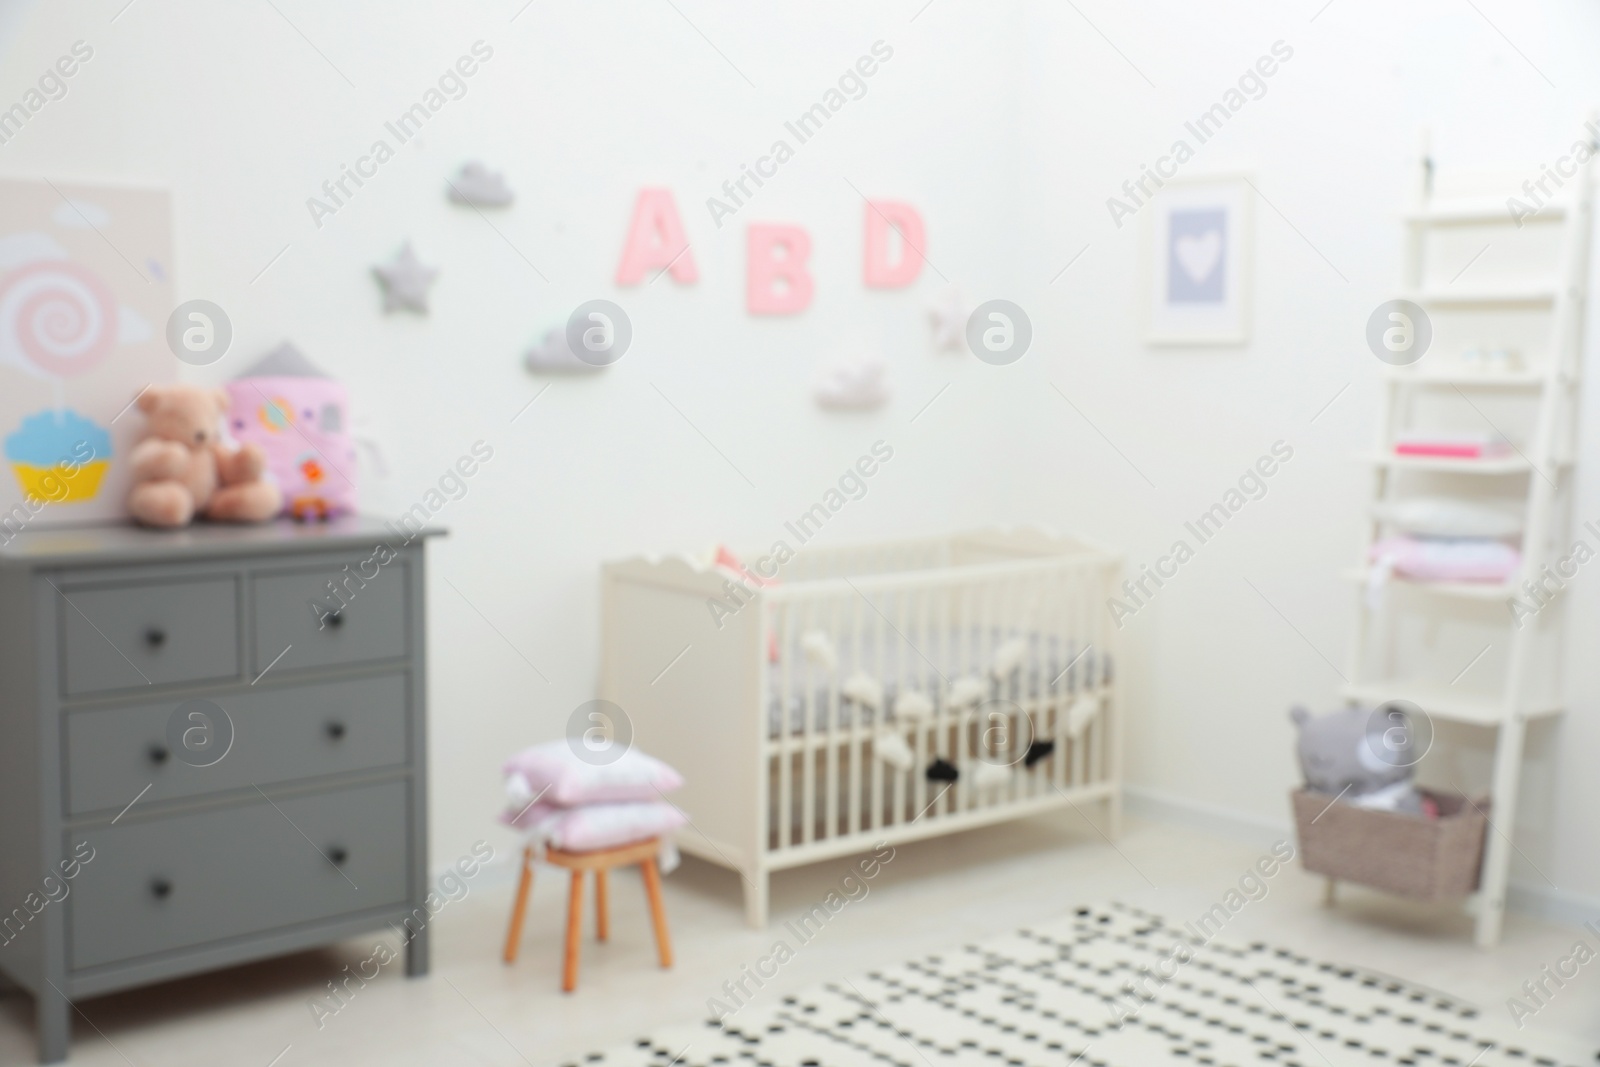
{"x": 155, "y": 637}
{"x": 336, "y": 619}
{"x": 337, "y": 856}
{"x": 336, "y": 730}
{"x": 158, "y": 754}
{"x": 161, "y": 889}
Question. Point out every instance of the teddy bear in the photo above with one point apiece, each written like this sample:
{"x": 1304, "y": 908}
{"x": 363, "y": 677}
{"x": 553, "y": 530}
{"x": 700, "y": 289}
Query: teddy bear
{"x": 182, "y": 469}
{"x": 1365, "y": 756}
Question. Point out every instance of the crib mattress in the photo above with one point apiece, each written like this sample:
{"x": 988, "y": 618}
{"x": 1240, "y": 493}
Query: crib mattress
{"x": 927, "y": 664}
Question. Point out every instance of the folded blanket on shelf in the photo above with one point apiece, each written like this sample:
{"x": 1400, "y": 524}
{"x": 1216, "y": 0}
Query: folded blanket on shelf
{"x": 1436, "y": 516}
{"x": 1475, "y": 559}
{"x": 1451, "y": 445}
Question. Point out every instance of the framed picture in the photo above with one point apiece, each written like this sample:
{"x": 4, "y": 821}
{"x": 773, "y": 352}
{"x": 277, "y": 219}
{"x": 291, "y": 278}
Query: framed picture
{"x": 85, "y": 291}
{"x": 1198, "y": 245}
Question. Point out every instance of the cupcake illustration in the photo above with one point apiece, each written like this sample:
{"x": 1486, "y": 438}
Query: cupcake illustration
{"x": 59, "y": 456}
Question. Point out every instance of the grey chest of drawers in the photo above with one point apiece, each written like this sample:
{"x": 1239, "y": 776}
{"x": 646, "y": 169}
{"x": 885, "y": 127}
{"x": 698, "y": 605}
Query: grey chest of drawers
{"x": 212, "y": 751}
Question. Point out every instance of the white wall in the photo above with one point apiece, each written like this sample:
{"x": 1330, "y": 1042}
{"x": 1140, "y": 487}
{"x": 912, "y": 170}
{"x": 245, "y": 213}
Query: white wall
{"x": 1008, "y": 125}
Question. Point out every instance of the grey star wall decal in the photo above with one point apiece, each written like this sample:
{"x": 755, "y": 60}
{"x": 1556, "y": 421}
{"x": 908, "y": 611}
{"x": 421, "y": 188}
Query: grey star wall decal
{"x": 405, "y": 281}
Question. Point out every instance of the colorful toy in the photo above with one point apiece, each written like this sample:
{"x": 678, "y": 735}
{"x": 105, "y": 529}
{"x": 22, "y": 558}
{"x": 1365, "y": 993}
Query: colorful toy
{"x": 182, "y": 469}
{"x": 300, "y": 419}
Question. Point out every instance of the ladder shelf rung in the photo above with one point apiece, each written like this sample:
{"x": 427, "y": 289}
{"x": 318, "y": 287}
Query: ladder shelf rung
{"x": 1498, "y": 465}
{"x": 1465, "y": 590}
{"x": 1539, "y": 294}
{"x": 1480, "y": 211}
{"x": 1467, "y": 379}
{"x": 1443, "y": 701}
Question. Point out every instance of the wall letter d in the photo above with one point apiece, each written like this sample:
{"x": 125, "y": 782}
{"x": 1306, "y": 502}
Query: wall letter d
{"x": 882, "y": 216}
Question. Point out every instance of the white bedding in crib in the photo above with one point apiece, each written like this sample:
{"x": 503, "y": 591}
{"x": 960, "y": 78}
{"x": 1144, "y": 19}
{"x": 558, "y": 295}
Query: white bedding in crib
{"x": 927, "y": 663}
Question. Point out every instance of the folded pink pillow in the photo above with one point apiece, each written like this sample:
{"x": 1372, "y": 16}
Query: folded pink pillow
{"x": 555, "y": 773}
{"x": 1468, "y": 560}
{"x": 596, "y": 825}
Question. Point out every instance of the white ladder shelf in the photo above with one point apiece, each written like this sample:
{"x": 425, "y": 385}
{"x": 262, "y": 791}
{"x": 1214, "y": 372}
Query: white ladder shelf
{"x": 1550, "y": 301}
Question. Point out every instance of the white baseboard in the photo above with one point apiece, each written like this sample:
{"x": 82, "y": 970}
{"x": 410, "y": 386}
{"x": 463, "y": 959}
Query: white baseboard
{"x": 1552, "y": 904}
{"x": 1157, "y": 806}
{"x": 1525, "y": 898}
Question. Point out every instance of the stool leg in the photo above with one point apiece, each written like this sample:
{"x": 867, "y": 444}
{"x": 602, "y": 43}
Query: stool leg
{"x": 602, "y": 916}
{"x": 658, "y": 913}
{"x": 520, "y": 908}
{"x": 569, "y": 970}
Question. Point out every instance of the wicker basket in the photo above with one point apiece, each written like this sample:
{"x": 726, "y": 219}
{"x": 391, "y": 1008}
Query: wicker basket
{"x": 1426, "y": 859}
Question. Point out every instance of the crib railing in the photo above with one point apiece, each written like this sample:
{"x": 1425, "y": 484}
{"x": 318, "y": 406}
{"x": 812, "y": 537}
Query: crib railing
{"x": 881, "y": 557}
{"x": 925, "y": 631}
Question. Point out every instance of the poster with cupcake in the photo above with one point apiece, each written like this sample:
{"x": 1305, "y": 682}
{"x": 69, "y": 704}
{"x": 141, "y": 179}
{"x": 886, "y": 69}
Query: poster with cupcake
{"x": 85, "y": 289}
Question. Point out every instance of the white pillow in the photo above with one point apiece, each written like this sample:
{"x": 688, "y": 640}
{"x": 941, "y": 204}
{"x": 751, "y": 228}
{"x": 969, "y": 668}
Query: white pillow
{"x": 1431, "y": 516}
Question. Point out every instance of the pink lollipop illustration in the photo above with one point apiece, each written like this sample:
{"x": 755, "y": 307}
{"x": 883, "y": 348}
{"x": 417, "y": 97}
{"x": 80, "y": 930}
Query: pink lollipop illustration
{"x": 59, "y": 316}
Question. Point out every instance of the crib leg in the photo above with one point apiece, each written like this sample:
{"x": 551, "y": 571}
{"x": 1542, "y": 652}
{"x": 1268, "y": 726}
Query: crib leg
{"x": 755, "y": 899}
{"x": 1328, "y": 897}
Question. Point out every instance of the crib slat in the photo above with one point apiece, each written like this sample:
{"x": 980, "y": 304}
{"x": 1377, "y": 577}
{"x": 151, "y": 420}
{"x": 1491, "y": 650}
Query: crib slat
{"x": 1097, "y": 750}
{"x": 1115, "y": 736}
{"x": 876, "y": 618}
{"x": 808, "y": 784}
{"x": 1061, "y": 681}
{"x": 835, "y": 731}
{"x": 1078, "y": 743}
{"x": 964, "y": 725}
{"x": 788, "y": 646}
{"x": 1039, "y": 686}
{"x": 1058, "y": 659}
{"x": 857, "y": 731}
{"x": 946, "y": 616}
{"x": 1021, "y": 732}
{"x": 972, "y": 629}
{"x": 1102, "y": 720}
{"x": 992, "y": 592}
{"x": 1008, "y": 609}
{"x": 1025, "y": 626}
{"x": 901, "y": 653}
{"x": 915, "y": 668}
{"x": 1044, "y": 770}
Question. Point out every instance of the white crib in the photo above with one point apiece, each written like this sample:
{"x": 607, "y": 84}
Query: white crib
{"x": 781, "y": 767}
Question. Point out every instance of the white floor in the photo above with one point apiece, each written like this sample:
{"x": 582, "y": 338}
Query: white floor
{"x": 473, "y": 1010}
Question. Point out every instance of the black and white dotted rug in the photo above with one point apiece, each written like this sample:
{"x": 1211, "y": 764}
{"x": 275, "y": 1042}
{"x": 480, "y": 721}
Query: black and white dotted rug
{"x": 1057, "y": 995}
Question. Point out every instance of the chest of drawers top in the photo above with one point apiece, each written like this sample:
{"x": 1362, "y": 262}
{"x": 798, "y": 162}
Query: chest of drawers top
{"x": 117, "y": 544}
{"x": 148, "y": 610}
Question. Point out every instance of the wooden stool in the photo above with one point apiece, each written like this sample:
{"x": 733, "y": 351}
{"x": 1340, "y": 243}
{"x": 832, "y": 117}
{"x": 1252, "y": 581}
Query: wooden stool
{"x": 600, "y": 862}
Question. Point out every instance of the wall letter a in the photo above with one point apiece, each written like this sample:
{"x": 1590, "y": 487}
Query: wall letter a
{"x": 656, "y": 239}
